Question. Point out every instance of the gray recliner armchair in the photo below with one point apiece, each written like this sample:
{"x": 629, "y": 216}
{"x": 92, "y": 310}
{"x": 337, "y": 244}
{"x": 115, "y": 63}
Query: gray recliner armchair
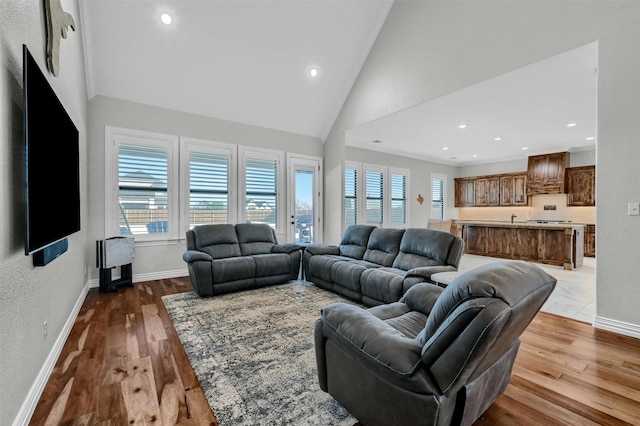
{"x": 436, "y": 357}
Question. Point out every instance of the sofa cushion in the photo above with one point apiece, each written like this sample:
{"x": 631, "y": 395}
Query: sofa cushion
{"x": 347, "y": 273}
{"x": 354, "y": 241}
{"x": 255, "y": 238}
{"x": 272, "y": 264}
{"x": 218, "y": 241}
{"x": 383, "y": 246}
{"x": 233, "y": 269}
{"x": 423, "y": 247}
{"x": 381, "y": 285}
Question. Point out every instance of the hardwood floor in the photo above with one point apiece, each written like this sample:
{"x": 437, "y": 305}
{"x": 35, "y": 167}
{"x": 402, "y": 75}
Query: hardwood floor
{"x": 124, "y": 365}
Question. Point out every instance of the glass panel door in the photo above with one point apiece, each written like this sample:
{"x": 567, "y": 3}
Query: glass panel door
{"x": 304, "y": 190}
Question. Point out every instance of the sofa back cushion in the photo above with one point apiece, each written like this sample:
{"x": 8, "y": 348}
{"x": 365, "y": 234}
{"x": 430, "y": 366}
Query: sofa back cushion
{"x": 424, "y": 247}
{"x": 383, "y": 246}
{"x": 354, "y": 241}
{"x": 219, "y": 241}
{"x": 255, "y": 238}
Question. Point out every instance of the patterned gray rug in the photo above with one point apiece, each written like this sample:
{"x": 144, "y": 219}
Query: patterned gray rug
{"x": 254, "y": 357}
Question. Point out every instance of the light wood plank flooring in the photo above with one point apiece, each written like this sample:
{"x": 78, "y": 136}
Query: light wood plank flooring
{"x": 124, "y": 365}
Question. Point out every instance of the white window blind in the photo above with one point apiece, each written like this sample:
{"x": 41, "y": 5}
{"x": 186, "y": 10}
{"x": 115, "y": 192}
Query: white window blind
{"x": 398, "y": 199}
{"x": 143, "y": 189}
{"x": 374, "y": 188}
{"x": 437, "y": 197}
{"x": 350, "y": 196}
{"x": 261, "y": 190}
{"x": 208, "y": 188}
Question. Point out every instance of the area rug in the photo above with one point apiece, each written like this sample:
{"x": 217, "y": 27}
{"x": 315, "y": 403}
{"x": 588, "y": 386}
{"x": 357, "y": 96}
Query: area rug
{"x": 253, "y": 354}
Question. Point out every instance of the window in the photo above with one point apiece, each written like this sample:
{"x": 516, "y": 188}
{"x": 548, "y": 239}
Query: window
{"x": 437, "y": 196}
{"x": 207, "y": 180}
{"x": 351, "y": 173}
{"x": 374, "y": 204}
{"x": 398, "y": 199}
{"x": 141, "y": 182}
{"x": 375, "y": 195}
{"x": 262, "y": 188}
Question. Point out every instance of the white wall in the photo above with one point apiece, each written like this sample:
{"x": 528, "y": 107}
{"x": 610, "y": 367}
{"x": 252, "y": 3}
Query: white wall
{"x": 31, "y": 295}
{"x": 165, "y": 260}
{"x": 428, "y": 49}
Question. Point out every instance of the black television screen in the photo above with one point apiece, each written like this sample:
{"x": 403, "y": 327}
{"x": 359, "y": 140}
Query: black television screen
{"x": 52, "y": 172}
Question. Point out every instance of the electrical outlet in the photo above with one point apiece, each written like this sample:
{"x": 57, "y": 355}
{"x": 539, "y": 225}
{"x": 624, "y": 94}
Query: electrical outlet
{"x": 45, "y": 330}
{"x": 634, "y": 209}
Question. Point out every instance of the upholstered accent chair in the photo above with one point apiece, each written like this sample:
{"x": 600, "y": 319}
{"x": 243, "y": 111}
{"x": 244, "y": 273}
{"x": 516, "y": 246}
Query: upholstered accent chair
{"x": 436, "y": 357}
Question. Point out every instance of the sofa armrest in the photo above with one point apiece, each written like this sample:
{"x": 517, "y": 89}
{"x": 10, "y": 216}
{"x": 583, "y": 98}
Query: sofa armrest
{"x": 362, "y": 334}
{"x": 421, "y": 297}
{"x": 195, "y": 255}
{"x": 317, "y": 249}
{"x": 426, "y": 271}
{"x": 285, "y": 248}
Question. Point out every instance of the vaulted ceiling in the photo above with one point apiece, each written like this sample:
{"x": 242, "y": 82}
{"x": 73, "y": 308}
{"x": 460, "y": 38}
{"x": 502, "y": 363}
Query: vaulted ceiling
{"x": 244, "y": 61}
{"x": 249, "y": 61}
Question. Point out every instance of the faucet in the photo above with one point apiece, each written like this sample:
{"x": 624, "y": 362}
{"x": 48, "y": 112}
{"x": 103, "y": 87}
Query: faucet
{"x": 513, "y": 216}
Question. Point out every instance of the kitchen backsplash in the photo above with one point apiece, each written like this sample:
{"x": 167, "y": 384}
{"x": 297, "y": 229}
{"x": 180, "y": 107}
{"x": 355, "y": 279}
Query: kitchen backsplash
{"x": 534, "y": 212}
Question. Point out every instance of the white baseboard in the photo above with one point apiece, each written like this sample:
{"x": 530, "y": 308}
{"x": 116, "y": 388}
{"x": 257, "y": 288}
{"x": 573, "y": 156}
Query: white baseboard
{"x": 149, "y": 276}
{"x": 31, "y": 401}
{"x": 615, "y": 326}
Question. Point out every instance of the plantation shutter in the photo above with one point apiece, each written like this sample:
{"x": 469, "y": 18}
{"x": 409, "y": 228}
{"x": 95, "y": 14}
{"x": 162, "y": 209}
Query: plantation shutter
{"x": 208, "y": 188}
{"x": 142, "y": 188}
{"x": 398, "y": 199}
{"x": 374, "y": 197}
{"x": 350, "y": 196}
{"x": 437, "y": 190}
{"x": 261, "y": 180}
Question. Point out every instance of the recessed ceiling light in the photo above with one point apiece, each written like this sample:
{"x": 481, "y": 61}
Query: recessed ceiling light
{"x": 590, "y": 138}
{"x": 474, "y": 155}
{"x": 445, "y": 148}
{"x": 313, "y": 72}
{"x": 571, "y": 125}
{"x": 453, "y": 158}
{"x": 462, "y": 126}
{"x": 497, "y": 139}
{"x": 165, "y": 18}
{"x": 377, "y": 141}
{"x": 524, "y": 148}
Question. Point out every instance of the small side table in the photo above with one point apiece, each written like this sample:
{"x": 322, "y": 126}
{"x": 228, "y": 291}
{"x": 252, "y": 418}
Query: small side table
{"x": 443, "y": 279}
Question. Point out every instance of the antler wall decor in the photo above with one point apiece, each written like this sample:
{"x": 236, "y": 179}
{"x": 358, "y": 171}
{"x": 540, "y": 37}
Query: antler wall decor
{"x": 57, "y": 21}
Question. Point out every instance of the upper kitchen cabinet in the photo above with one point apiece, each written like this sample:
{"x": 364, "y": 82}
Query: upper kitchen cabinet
{"x": 546, "y": 173}
{"x": 581, "y": 186}
{"x": 487, "y": 191}
{"x": 465, "y": 194}
{"x": 513, "y": 190}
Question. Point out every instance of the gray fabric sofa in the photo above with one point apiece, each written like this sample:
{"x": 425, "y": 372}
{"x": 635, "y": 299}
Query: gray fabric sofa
{"x": 378, "y": 265}
{"x": 225, "y": 258}
{"x": 436, "y": 357}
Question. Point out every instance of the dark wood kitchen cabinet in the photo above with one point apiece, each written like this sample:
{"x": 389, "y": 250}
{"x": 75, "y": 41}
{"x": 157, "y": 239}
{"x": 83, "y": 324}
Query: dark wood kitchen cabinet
{"x": 581, "y": 186}
{"x": 546, "y": 173}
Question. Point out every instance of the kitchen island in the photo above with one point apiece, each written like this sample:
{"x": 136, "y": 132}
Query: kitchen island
{"x": 560, "y": 244}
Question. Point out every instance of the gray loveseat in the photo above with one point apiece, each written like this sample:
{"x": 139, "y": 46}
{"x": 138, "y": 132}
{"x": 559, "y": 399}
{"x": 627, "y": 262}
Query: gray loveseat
{"x": 225, "y": 258}
{"x": 378, "y": 265}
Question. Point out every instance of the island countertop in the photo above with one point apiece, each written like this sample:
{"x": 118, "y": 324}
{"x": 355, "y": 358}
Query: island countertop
{"x": 559, "y": 244}
{"x": 516, "y": 224}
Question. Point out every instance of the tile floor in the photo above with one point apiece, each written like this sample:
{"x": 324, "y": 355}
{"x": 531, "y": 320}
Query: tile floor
{"x": 575, "y": 292}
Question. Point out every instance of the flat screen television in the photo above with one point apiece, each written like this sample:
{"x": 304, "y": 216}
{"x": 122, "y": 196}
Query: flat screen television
{"x": 52, "y": 171}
